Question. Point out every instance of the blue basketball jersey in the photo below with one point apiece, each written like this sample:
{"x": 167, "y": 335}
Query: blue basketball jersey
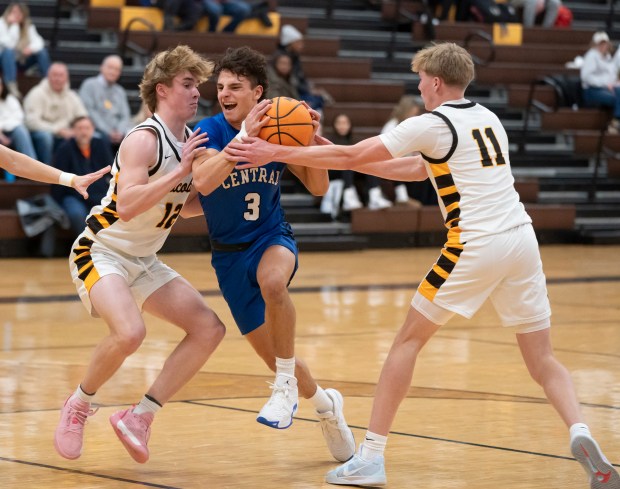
{"x": 247, "y": 204}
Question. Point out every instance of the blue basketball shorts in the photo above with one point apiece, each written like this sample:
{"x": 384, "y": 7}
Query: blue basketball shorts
{"x": 236, "y": 275}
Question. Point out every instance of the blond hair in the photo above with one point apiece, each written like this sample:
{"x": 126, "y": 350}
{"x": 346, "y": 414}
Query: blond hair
{"x": 24, "y": 26}
{"x": 448, "y": 61}
{"x": 166, "y": 65}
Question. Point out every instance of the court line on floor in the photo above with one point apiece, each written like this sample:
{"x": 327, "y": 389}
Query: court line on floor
{"x": 85, "y": 473}
{"x": 34, "y": 299}
{"x": 410, "y": 435}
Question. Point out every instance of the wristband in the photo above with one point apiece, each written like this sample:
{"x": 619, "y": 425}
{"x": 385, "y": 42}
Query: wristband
{"x": 242, "y": 133}
{"x": 66, "y": 179}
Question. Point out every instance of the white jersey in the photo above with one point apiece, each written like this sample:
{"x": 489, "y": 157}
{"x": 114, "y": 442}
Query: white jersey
{"x": 465, "y": 148}
{"x": 145, "y": 234}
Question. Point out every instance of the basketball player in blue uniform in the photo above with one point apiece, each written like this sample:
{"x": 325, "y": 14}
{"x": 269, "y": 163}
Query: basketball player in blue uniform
{"x": 114, "y": 262}
{"x": 253, "y": 249}
{"x": 491, "y": 250}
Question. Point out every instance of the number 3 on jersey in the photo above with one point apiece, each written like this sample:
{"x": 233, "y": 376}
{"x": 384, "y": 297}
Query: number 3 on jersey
{"x": 485, "y": 157}
{"x": 253, "y": 200}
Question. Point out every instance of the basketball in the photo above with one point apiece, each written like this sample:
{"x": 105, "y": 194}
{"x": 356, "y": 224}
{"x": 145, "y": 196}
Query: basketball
{"x": 290, "y": 124}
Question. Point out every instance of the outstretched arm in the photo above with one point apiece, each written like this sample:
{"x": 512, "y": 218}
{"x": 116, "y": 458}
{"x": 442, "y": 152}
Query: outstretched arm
{"x": 368, "y": 156}
{"x": 26, "y": 167}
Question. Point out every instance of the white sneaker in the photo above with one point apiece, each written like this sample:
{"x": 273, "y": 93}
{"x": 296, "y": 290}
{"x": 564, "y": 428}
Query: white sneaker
{"x": 376, "y": 200}
{"x": 350, "y": 200}
{"x": 338, "y": 435}
{"x": 281, "y": 407}
{"x": 359, "y": 472}
{"x": 601, "y": 473}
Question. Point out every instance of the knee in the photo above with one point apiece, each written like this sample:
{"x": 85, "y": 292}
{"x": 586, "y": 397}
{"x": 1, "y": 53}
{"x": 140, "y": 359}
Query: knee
{"x": 273, "y": 287}
{"x": 130, "y": 340}
{"x": 209, "y": 329}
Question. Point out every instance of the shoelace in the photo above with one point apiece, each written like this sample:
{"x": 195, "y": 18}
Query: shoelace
{"x": 81, "y": 416}
{"x": 283, "y": 389}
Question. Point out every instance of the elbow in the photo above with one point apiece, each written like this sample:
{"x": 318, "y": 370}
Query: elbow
{"x": 124, "y": 213}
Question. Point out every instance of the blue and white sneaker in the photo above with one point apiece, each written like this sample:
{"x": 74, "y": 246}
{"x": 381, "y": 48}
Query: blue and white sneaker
{"x": 600, "y": 471}
{"x": 279, "y": 411}
{"x": 337, "y": 434}
{"x": 359, "y": 472}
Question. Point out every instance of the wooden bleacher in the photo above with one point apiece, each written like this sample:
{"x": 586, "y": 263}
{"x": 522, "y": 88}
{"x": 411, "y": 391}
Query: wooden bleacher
{"x": 13, "y": 241}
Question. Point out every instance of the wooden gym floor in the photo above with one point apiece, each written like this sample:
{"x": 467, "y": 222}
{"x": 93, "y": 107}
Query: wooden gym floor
{"x": 473, "y": 418}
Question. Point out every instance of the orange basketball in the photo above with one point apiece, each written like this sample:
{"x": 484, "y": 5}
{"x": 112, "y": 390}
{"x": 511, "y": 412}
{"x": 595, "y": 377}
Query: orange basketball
{"x": 290, "y": 124}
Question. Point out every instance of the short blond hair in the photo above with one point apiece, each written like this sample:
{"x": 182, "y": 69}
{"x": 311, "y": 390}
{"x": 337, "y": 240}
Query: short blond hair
{"x": 448, "y": 61}
{"x": 166, "y": 65}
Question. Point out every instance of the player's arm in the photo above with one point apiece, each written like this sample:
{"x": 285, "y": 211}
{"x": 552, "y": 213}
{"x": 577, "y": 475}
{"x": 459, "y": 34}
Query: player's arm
{"x": 405, "y": 169}
{"x": 138, "y": 153}
{"x": 212, "y": 168}
{"x": 23, "y": 166}
{"x": 192, "y": 207}
{"x": 327, "y": 156}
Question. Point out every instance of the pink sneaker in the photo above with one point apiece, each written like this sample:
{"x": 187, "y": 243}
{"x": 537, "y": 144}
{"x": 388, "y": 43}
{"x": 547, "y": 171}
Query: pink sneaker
{"x": 133, "y": 430}
{"x": 69, "y": 434}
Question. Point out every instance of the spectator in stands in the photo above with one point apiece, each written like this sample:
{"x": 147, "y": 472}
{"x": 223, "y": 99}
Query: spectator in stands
{"x": 342, "y": 182}
{"x": 292, "y": 43}
{"x": 408, "y": 106}
{"x": 50, "y": 108}
{"x": 187, "y": 12}
{"x": 82, "y": 153}
{"x": 238, "y": 10}
{"x": 106, "y": 101}
{"x": 532, "y": 8}
{"x": 13, "y": 131}
{"x": 280, "y": 75}
{"x": 21, "y": 46}
{"x": 599, "y": 78}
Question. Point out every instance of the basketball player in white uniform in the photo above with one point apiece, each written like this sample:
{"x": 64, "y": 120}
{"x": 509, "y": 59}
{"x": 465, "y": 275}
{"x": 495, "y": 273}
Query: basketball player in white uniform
{"x": 114, "y": 263}
{"x": 491, "y": 250}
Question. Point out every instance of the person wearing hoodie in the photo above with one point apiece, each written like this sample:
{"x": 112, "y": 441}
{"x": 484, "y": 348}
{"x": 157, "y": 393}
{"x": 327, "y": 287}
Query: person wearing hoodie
{"x": 21, "y": 45}
{"x": 50, "y": 108}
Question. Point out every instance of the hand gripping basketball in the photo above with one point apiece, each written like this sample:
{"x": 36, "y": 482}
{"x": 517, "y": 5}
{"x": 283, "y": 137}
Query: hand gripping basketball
{"x": 290, "y": 124}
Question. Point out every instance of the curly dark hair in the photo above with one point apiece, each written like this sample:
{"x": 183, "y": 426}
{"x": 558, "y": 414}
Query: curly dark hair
{"x": 246, "y": 62}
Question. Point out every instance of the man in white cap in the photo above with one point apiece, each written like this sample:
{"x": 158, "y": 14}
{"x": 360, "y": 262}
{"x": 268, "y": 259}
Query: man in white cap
{"x": 599, "y": 78}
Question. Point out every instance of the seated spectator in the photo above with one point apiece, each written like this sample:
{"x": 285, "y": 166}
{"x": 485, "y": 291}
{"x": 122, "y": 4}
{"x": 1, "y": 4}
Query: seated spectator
{"x": 532, "y": 8}
{"x": 408, "y": 106}
{"x": 238, "y": 10}
{"x": 21, "y": 46}
{"x": 292, "y": 43}
{"x": 280, "y": 76}
{"x": 106, "y": 101}
{"x": 13, "y": 131}
{"x": 342, "y": 184}
{"x": 50, "y": 108}
{"x": 188, "y": 13}
{"x": 81, "y": 153}
{"x": 599, "y": 78}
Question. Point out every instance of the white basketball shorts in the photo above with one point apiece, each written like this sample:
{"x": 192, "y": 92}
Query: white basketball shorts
{"x": 89, "y": 261}
{"x": 504, "y": 267}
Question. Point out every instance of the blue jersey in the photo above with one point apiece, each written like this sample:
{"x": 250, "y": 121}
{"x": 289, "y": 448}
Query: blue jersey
{"x": 247, "y": 204}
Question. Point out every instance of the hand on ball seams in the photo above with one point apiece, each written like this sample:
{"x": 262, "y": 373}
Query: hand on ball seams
{"x": 290, "y": 124}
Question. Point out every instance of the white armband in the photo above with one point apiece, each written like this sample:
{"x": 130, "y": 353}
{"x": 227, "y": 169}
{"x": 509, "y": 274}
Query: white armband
{"x": 66, "y": 179}
{"x": 242, "y": 133}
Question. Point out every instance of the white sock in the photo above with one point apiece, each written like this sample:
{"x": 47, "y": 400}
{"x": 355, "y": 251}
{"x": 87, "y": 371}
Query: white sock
{"x": 146, "y": 405}
{"x": 82, "y": 396}
{"x": 579, "y": 429}
{"x": 372, "y": 446}
{"x": 321, "y": 401}
{"x": 285, "y": 366}
{"x": 400, "y": 192}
